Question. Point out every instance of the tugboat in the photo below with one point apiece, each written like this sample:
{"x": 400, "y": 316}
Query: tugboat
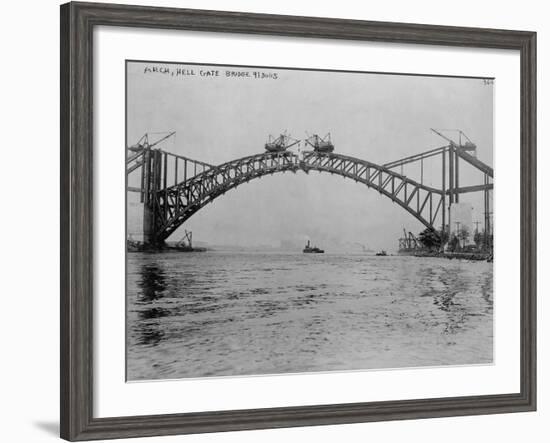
{"x": 312, "y": 249}
{"x": 381, "y": 254}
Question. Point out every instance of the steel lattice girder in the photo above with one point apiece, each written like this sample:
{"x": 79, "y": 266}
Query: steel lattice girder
{"x": 186, "y": 198}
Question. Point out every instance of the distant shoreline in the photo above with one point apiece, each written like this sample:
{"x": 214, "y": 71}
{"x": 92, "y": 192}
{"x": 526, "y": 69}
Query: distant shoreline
{"x": 479, "y": 256}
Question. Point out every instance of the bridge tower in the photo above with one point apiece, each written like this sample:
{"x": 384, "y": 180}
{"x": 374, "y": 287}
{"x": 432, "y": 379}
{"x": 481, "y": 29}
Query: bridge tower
{"x": 151, "y": 184}
{"x": 152, "y": 163}
{"x": 158, "y": 172}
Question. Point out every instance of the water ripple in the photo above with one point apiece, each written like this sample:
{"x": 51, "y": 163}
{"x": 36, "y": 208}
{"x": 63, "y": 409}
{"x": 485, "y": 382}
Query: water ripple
{"x": 210, "y": 314}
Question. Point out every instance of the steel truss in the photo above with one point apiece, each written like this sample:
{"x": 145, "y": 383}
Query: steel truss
{"x": 173, "y": 205}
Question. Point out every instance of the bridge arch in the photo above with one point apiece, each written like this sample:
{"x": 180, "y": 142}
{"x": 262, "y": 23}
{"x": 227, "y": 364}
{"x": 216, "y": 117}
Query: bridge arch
{"x": 176, "y": 204}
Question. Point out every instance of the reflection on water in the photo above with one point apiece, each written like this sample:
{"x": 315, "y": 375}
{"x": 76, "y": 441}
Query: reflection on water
{"x": 215, "y": 313}
{"x": 152, "y": 282}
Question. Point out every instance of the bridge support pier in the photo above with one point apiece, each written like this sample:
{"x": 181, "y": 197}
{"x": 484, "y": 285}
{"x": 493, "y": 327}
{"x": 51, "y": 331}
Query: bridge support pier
{"x": 148, "y": 225}
{"x": 152, "y": 172}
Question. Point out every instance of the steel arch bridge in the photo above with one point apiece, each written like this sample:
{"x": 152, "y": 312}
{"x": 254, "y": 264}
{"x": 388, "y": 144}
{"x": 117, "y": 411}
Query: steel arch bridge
{"x": 195, "y": 184}
{"x": 175, "y": 204}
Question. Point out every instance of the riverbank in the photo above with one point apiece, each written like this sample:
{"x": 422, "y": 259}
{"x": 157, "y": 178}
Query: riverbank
{"x": 134, "y": 246}
{"x": 478, "y": 256}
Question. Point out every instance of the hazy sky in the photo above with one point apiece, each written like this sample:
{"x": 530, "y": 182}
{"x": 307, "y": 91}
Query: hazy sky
{"x": 376, "y": 117}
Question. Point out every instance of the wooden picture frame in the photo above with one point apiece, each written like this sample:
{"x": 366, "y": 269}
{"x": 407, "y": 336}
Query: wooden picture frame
{"x": 77, "y": 23}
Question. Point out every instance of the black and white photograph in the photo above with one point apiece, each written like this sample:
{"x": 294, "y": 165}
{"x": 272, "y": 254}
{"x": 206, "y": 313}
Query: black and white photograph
{"x": 283, "y": 220}
{"x": 228, "y": 221}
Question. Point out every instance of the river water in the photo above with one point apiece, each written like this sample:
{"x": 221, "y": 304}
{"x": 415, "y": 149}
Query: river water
{"x": 239, "y": 313}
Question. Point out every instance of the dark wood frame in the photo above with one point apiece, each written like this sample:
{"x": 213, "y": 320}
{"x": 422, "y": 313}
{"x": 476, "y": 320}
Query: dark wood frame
{"x": 77, "y": 24}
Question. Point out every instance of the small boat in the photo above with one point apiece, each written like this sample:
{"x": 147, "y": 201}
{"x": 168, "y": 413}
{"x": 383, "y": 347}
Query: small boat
{"x": 381, "y": 254}
{"x": 312, "y": 249}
